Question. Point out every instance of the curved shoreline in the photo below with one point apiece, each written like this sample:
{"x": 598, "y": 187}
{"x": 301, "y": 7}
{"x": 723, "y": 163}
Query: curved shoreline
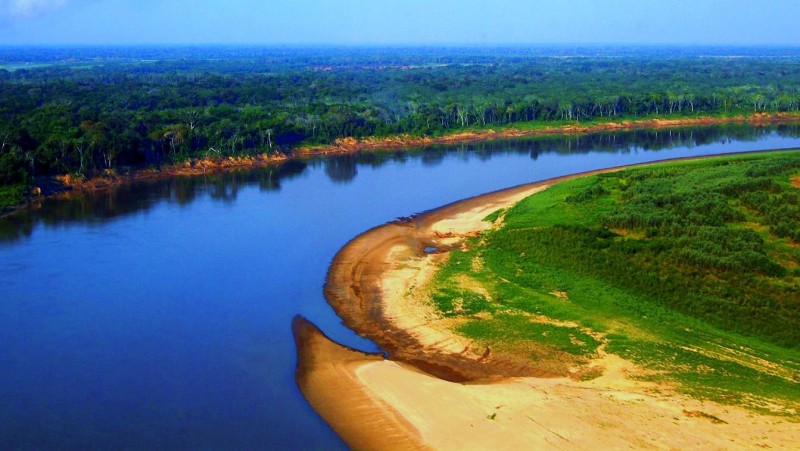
{"x": 355, "y": 283}
{"x": 544, "y": 410}
{"x": 354, "y": 288}
{"x": 326, "y": 376}
{"x": 59, "y": 185}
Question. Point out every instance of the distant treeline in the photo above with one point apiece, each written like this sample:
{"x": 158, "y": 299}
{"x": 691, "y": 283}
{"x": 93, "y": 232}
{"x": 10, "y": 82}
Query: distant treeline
{"x": 81, "y": 112}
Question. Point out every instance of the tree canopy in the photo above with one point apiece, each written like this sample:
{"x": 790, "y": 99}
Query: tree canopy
{"x": 83, "y": 110}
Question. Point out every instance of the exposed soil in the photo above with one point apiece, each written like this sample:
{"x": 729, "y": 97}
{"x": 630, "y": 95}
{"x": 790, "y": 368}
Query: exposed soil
{"x": 389, "y": 262}
{"x": 110, "y": 179}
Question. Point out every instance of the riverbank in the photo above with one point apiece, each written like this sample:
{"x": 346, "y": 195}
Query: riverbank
{"x": 353, "y": 145}
{"x": 57, "y": 185}
{"x": 375, "y": 403}
{"x": 64, "y": 185}
{"x": 377, "y": 284}
{"x": 370, "y": 277}
{"x": 376, "y": 281}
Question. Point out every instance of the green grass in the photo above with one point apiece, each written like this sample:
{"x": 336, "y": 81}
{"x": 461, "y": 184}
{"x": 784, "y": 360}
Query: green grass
{"x": 517, "y": 328}
{"x": 687, "y": 268}
{"x": 460, "y": 302}
{"x": 494, "y": 216}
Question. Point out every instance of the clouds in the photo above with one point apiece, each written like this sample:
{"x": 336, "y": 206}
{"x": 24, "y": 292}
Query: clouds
{"x": 28, "y": 9}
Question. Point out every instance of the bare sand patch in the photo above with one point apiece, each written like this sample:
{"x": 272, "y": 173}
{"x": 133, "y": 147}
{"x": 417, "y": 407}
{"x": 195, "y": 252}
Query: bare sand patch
{"x": 379, "y": 404}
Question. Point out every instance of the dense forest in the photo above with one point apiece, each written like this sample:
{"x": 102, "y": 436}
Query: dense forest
{"x": 89, "y": 109}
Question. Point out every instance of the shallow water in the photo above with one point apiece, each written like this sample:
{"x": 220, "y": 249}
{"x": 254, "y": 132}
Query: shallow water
{"x": 158, "y": 315}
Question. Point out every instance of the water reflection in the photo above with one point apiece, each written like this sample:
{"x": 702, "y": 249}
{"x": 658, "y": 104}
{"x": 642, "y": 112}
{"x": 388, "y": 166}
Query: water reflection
{"x": 341, "y": 170}
{"x": 89, "y": 208}
{"x": 99, "y": 207}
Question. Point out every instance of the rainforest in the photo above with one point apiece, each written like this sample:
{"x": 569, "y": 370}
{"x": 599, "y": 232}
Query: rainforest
{"x": 86, "y": 111}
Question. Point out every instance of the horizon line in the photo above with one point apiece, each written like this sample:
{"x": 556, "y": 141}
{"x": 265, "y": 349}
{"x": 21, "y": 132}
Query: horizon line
{"x": 400, "y": 45}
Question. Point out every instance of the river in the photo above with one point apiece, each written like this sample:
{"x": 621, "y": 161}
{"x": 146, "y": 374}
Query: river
{"x": 158, "y": 315}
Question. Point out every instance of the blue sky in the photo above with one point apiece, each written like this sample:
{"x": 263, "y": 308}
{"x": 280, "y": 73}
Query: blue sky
{"x": 414, "y": 22}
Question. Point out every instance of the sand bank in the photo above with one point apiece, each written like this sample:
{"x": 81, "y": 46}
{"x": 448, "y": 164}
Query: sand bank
{"x": 375, "y": 403}
{"x": 371, "y": 276}
{"x": 440, "y": 390}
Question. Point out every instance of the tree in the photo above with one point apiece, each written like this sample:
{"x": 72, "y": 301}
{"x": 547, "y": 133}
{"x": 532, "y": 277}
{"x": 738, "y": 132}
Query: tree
{"x": 190, "y": 120}
{"x": 175, "y": 136}
{"x": 5, "y": 139}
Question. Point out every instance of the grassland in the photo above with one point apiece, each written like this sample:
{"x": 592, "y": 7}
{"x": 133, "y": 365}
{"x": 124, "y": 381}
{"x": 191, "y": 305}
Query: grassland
{"x": 689, "y": 269}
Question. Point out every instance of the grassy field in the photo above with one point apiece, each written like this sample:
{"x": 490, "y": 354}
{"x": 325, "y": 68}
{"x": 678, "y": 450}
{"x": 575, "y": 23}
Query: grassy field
{"x": 690, "y": 269}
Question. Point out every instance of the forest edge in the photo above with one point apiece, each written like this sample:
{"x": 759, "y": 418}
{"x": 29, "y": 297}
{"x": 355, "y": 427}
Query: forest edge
{"x": 64, "y": 185}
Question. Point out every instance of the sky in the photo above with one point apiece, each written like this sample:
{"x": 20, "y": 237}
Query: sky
{"x": 399, "y": 22}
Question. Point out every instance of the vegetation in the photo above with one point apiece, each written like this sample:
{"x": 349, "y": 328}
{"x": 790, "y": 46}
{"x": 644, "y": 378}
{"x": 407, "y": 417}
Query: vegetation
{"x": 11, "y": 195}
{"x": 689, "y": 268}
{"x": 86, "y": 110}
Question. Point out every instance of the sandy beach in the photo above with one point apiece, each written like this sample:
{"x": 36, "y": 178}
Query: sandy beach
{"x": 373, "y": 403}
{"x": 438, "y": 390}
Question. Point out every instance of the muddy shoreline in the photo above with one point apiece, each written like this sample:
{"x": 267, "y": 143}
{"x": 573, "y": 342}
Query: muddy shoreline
{"x": 65, "y": 184}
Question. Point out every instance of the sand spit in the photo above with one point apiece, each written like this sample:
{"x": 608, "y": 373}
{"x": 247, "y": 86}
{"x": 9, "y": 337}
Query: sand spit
{"x": 326, "y": 374}
{"x": 375, "y": 403}
{"x": 374, "y": 282}
{"x": 441, "y": 391}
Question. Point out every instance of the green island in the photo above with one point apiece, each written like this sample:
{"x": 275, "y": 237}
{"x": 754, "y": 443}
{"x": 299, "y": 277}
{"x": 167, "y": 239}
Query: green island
{"x": 690, "y": 269}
